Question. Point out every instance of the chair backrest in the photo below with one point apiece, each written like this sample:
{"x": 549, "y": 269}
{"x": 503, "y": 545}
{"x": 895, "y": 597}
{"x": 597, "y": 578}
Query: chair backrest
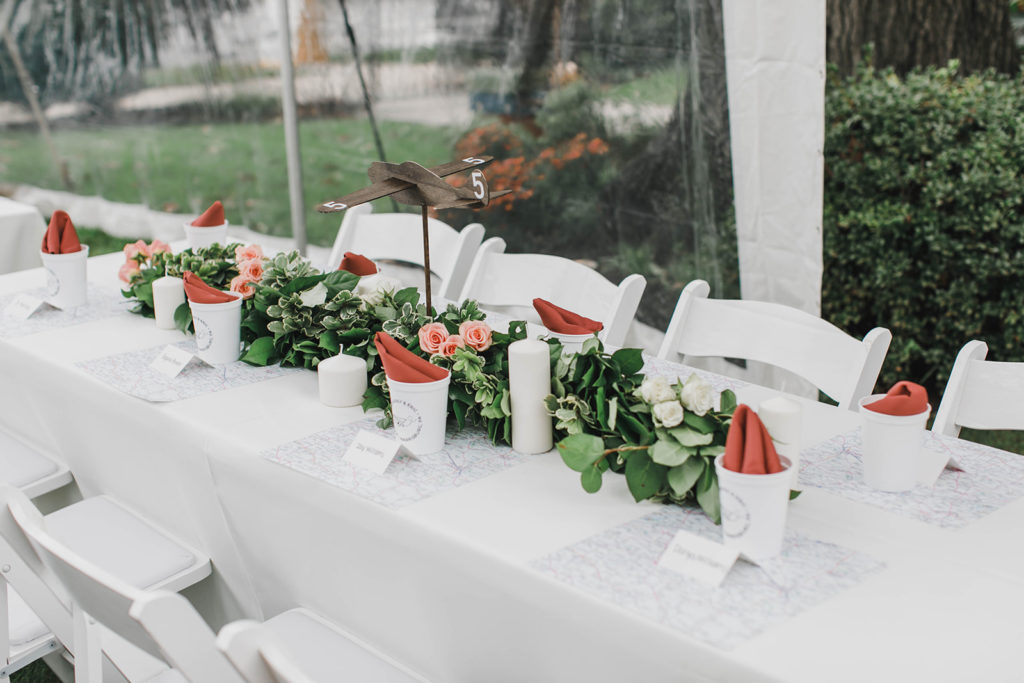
{"x": 498, "y": 279}
{"x": 981, "y": 394}
{"x": 26, "y": 573}
{"x": 243, "y": 642}
{"x": 25, "y": 467}
{"x": 109, "y": 600}
{"x": 841, "y": 366}
{"x": 399, "y": 237}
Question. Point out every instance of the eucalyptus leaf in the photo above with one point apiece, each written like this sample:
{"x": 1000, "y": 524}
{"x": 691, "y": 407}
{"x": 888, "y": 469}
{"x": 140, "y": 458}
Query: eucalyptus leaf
{"x": 644, "y": 477}
{"x": 581, "y": 450}
{"x": 681, "y": 479}
{"x": 590, "y": 478}
{"x": 668, "y": 452}
{"x": 690, "y": 437}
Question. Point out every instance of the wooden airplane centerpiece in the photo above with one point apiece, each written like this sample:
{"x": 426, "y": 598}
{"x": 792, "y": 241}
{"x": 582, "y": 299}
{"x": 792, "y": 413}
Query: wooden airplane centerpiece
{"x": 410, "y": 183}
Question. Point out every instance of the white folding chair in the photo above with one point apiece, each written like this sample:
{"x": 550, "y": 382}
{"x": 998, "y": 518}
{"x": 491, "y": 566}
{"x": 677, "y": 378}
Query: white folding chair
{"x": 29, "y": 470}
{"x": 104, "y": 555}
{"x": 841, "y": 366}
{"x": 295, "y": 646}
{"x": 399, "y": 237}
{"x": 981, "y": 394}
{"x": 505, "y": 280}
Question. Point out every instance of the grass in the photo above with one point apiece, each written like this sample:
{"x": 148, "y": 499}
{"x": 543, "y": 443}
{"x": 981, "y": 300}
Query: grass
{"x": 36, "y": 672}
{"x": 659, "y": 87}
{"x": 185, "y": 168}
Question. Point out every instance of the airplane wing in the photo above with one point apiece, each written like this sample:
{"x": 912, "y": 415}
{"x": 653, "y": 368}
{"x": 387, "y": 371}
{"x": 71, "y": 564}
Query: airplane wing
{"x": 461, "y": 165}
{"x": 471, "y": 202}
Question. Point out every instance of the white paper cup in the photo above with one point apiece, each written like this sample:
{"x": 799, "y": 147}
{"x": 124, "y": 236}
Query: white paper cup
{"x": 754, "y": 508}
{"x": 204, "y": 237}
{"x": 572, "y": 343}
{"x": 420, "y": 410}
{"x": 66, "y": 281}
{"x": 342, "y": 381}
{"x": 218, "y": 330}
{"x": 891, "y": 454}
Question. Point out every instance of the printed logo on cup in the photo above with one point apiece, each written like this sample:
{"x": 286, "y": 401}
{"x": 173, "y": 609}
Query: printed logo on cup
{"x": 408, "y": 421}
{"x": 52, "y": 283}
{"x": 735, "y": 515}
{"x": 204, "y": 335}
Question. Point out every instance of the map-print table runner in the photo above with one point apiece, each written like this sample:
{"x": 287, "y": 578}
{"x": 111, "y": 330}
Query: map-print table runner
{"x": 101, "y": 303}
{"x": 131, "y": 373}
{"x": 989, "y": 479}
{"x": 621, "y": 566}
{"x": 467, "y": 457}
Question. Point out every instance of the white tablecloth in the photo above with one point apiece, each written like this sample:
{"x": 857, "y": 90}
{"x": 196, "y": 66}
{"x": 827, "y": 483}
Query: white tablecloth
{"x": 21, "y": 233}
{"x": 444, "y": 584}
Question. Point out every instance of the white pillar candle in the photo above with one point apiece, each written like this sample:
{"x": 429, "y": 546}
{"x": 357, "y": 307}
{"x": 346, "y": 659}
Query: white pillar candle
{"x": 781, "y": 417}
{"x": 342, "y": 380}
{"x": 168, "y": 294}
{"x": 529, "y": 378}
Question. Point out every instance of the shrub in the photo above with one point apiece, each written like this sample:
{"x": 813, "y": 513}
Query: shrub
{"x": 924, "y": 215}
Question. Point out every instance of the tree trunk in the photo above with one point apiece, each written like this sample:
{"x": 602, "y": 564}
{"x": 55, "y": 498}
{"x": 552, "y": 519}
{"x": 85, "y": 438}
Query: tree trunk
{"x": 909, "y": 33}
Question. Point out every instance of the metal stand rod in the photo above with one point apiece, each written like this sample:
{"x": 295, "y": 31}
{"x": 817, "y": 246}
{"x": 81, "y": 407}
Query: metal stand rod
{"x": 426, "y": 258}
{"x": 291, "y": 131}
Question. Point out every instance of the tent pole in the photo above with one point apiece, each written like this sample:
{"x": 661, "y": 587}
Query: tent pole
{"x": 291, "y": 131}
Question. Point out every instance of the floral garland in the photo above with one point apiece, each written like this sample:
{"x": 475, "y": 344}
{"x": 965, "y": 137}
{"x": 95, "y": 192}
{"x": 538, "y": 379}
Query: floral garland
{"x": 608, "y": 416}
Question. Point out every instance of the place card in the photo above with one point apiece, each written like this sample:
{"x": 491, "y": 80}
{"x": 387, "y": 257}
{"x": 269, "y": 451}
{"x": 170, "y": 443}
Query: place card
{"x": 373, "y": 452}
{"x": 931, "y": 465}
{"x": 23, "y": 306}
{"x": 699, "y": 558}
{"x": 171, "y": 361}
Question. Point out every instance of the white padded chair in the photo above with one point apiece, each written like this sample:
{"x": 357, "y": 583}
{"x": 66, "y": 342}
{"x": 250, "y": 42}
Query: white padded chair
{"x": 399, "y": 237}
{"x": 499, "y": 280}
{"x": 981, "y": 394}
{"x": 841, "y": 366}
{"x": 95, "y": 551}
{"x": 297, "y": 645}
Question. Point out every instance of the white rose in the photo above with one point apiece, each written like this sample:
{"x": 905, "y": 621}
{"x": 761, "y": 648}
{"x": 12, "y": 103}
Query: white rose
{"x": 656, "y": 390}
{"x": 314, "y": 296}
{"x": 697, "y": 395}
{"x": 371, "y": 288}
{"x": 668, "y": 413}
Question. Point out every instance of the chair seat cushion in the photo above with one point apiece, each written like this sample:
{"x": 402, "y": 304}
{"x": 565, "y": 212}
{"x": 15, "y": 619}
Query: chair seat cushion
{"x": 20, "y": 465}
{"x": 24, "y": 625}
{"x": 325, "y": 654}
{"x": 115, "y": 539}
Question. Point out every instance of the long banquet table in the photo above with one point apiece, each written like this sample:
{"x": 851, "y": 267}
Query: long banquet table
{"x": 472, "y": 583}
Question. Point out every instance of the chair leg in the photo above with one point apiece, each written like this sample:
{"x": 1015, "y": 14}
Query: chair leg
{"x": 88, "y": 650}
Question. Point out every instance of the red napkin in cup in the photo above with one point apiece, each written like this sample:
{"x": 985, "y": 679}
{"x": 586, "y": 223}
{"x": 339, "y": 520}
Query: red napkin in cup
{"x": 402, "y": 365}
{"x": 561, "y": 321}
{"x": 357, "y": 264}
{"x": 198, "y": 292}
{"x": 212, "y": 217}
{"x": 905, "y": 398}
{"x": 748, "y": 447}
{"x": 61, "y": 237}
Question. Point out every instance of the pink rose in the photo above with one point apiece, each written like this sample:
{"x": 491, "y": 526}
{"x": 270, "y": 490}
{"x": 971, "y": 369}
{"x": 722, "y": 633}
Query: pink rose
{"x": 156, "y": 247}
{"x": 131, "y": 251}
{"x": 128, "y": 270}
{"x": 477, "y": 334}
{"x": 451, "y": 343}
{"x": 241, "y": 285}
{"x": 251, "y": 270}
{"x": 432, "y": 335}
{"x": 253, "y": 252}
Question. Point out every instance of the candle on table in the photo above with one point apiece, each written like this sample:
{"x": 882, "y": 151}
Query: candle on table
{"x": 781, "y": 417}
{"x": 529, "y": 378}
{"x": 168, "y": 294}
{"x": 342, "y": 380}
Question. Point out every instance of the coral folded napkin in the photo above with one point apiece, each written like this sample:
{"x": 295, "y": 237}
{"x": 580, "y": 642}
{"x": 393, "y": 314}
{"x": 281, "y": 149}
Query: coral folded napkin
{"x": 198, "y": 292}
{"x": 402, "y": 365}
{"x": 748, "y": 447}
{"x": 905, "y": 398}
{"x": 61, "y": 237}
{"x": 212, "y": 217}
{"x": 357, "y": 264}
{"x": 561, "y": 321}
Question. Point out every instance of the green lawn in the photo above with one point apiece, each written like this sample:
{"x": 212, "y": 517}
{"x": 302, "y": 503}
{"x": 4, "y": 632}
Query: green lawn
{"x": 185, "y": 168}
{"x": 36, "y": 672}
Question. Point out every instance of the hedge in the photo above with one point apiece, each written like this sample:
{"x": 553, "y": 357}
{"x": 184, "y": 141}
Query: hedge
{"x": 924, "y": 215}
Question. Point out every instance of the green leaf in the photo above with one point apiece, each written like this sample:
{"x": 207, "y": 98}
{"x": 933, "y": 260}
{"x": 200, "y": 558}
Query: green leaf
{"x": 581, "y": 450}
{"x": 590, "y": 478}
{"x": 590, "y": 345}
{"x": 183, "y": 317}
{"x": 704, "y": 424}
{"x": 329, "y": 341}
{"x": 644, "y": 477}
{"x": 340, "y": 280}
{"x": 707, "y": 495}
{"x": 409, "y": 295}
{"x": 630, "y": 361}
{"x": 689, "y": 437}
{"x": 260, "y": 352}
{"x": 681, "y": 479}
{"x": 727, "y": 401}
{"x": 793, "y": 495}
{"x": 668, "y": 452}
